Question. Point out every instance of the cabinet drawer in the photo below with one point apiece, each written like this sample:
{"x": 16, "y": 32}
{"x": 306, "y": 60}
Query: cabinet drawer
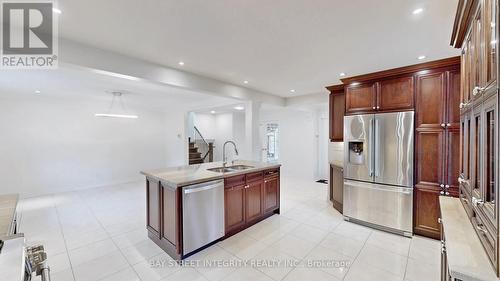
{"x": 271, "y": 172}
{"x": 234, "y": 181}
{"x": 257, "y": 176}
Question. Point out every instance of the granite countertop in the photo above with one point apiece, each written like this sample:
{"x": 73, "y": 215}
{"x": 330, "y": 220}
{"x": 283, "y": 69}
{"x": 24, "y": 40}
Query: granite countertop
{"x": 339, "y": 164}
{"x": 466, "y": 257}
{"x": 8, "y": 205}
{"x": 186, "y": 175}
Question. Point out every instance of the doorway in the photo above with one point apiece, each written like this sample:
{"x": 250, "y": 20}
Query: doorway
{"x": 270, "y": 141}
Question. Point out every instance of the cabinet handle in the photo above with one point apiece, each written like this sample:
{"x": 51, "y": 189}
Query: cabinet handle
{"x": 266, "y": 181}
{"x": 477, "y": 91}
{"x": 477, "y": 202}
{"x": 247, "y": 186}
{"x": 441, "y": 185}
{"x": 447, "y": 193}
{"x": 447, "y": 186}
{"x": 443, "y": 125}
{"x": 481, "y": 228}
{"x": 378, "y": 107}
{"x": 440, "y": 221}
{"x": 374, "y": 107}
{"x": 441, "y": 192}
{"x": 448, "y": 125}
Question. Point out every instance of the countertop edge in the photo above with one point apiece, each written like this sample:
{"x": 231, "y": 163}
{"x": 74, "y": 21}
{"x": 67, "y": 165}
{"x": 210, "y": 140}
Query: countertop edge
{"x": 456, "y": 222}
{"x": 216, "y": 176}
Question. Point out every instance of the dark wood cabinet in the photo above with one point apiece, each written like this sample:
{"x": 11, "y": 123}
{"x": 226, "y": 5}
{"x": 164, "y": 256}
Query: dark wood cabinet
{"x": 234, "y": 201}
{"x": 337, "y": 187}
{"x": 169, "y": 215}
{"x": 253, "y": 201}
{"x": 426, "y": 211}
{"x": 431, "y": 100}
{"x": 395, "y": 94}
{"x": 153, "y": 206}
{"x": 271, "y": 194}
{"x": 452, "y": 168}
{"x": 337, "y": 112}
{"x": 360, "y": 98}
{"x": 250, "y": 198}
{"x": 437, "y": 145}
{"x": 429, "y": 150}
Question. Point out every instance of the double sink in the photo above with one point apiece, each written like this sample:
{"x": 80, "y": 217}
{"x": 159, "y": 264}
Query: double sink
{"x": 229, "y": 169}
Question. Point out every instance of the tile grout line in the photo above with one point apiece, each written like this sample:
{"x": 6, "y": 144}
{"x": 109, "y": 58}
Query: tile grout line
{"x": 112, "y": 241}
{"x": 64, "y": 239}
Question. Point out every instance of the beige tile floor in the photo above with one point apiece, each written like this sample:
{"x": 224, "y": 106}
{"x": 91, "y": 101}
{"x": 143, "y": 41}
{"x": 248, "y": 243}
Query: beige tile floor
{"x": 99, "y": 234}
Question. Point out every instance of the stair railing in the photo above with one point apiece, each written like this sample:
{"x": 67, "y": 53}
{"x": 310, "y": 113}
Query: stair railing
{"x": 204, "y": 147}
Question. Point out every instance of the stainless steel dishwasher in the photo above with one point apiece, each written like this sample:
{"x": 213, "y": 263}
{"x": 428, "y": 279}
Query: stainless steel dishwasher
{"x": 203, "y": 214}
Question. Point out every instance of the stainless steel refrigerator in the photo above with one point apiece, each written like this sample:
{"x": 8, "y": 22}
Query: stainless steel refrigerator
{"x": 378, "y": 170}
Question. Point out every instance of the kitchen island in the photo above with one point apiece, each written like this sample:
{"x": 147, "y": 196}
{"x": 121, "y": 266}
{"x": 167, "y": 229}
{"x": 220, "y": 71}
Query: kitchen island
{"x": 192, "y": 207}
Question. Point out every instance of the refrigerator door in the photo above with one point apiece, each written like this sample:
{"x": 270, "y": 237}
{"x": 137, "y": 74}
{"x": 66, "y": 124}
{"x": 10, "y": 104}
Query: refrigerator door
{"x": 394, "y": 148}
{"x": 358, "y": 147}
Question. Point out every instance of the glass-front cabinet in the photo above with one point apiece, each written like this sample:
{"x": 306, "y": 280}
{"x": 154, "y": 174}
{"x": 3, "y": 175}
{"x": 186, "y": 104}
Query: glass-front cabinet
{"x": 479, "y": 129}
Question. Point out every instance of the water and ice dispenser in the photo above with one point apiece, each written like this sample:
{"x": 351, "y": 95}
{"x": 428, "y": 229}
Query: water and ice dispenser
{"x": 356, "y": 156}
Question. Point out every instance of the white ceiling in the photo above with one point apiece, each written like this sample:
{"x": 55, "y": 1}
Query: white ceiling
{"x": 276, "y": 45}
{"x": 68, "y": 84}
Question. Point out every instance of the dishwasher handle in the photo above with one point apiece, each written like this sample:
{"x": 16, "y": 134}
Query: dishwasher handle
{"x": 202, "y": 187}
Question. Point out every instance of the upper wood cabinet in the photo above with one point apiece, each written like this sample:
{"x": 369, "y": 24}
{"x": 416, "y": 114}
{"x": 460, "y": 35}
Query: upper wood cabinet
{"x": 431, "y": 100}
{"x": 361, "y": 98}
{"x": 395, "y": 94}
{"x": 387, "y": 95}
{"x": 337, "y": 112}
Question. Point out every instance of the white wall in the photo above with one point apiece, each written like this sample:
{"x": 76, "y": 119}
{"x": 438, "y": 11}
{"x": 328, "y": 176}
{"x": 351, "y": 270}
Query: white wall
{"x": 52, "y": 146}
{"x": 297, "y": 140}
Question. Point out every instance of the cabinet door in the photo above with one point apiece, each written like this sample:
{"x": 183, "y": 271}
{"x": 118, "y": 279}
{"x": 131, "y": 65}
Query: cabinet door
{"x": 395, "y": 94}
{"x": 153, "y": 206}
{"x": 431, "y": 100}
{"x": 430, "y": 157}
{"x": 271, "y": 194}
{"x": 253, "y": 201}
{"x": 234, "y": 201}
{"x": 490, "y": 44}
{"x": 361, "y": 98}
{"x": 337, "y": 111}
{"x": 453, "y": 99}
{"x": 426, "y": 211}
{"x": 452, "y": 161}
{"x": 169, "y": 215}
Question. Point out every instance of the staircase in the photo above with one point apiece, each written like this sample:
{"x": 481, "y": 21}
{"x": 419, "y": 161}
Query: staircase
{"x": 194, "y": 155}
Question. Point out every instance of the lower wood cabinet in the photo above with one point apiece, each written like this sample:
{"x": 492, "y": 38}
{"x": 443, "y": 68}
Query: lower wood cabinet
{"x": 271, "y": 194}
{"x": 253, "y": 201}
{"x": 426, "y": 211}
{"x": 250, "y": 198}
{"x": 234, "y": 205}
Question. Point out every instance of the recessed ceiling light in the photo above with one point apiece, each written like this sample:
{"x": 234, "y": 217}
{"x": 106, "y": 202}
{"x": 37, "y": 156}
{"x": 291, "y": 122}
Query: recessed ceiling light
{"x": 38, "y": 92}
{"x": 245, "y": 82}
{"x": 57, "y": 11}
{"x": 421, "y": 57}
{"x": 342, "y": 74}
{"x": 418, "y": 11}
{"x": 213, "y": 111}
{"x": 292, "y": 91}
{"x": 181, "y": 63}
{"x": 239, "y": 107}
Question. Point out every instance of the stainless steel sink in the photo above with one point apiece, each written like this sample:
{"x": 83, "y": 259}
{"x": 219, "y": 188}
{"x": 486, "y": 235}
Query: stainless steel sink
{"x": 240, "y": 167}
{"x": 221, "y": 170}
{"x": 230, "y": 168}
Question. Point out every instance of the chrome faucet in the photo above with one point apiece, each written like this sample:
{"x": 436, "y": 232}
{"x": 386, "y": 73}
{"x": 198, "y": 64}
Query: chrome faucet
{"x": 224, "y": 152}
